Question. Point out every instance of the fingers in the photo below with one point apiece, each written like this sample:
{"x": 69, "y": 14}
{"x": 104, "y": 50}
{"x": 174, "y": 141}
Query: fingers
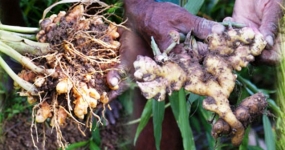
{"x": 203, "y": 27}
{"x": 271, "y": 14}
{"x": 153, "y": 20}
{"x": 122, "y": 87}
{"x": 113, "y": 114}
{"x": 131, "y": 46}
{"x": 273, "y": 55}
{"x": 269, "y": 57}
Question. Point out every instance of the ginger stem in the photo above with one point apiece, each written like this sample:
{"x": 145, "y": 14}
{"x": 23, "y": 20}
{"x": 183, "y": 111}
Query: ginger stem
{"x": 17, "y": 35}
{"x": 24, "y": 84}
{"x": 23, "y": 45}
{"x": 26, "y": 62}
{"x": 233, "y": 24}
{"x": 19, "y": 29}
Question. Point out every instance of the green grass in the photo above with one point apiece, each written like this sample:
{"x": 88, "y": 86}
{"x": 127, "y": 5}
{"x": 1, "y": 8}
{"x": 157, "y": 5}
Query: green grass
{"x": 280, "y": 123}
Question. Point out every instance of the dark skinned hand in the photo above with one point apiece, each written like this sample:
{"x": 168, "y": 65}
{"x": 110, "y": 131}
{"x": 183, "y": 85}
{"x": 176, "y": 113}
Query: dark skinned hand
{"x": 163, "y": 21}
{"x": 263, "y": 17}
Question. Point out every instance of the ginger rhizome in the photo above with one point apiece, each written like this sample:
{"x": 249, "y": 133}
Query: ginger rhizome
{"x": 204, "y": 70}
{"x": 246, "y": 112}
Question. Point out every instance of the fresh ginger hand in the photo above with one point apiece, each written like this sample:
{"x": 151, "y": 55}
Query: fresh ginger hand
{"x": 263, "y": 17}
{"x": 146, "y": 18}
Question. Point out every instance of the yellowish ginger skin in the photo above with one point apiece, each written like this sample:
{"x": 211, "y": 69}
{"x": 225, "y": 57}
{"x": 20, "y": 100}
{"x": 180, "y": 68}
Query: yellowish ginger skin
{"x": 165, "y": 80}
{"x": 59, "y": 118}
{"x": 215, "y": 78}
{"x": 43, "y": 113}
{"x": 64, "y": 86}
{"x": 84, "y": 97}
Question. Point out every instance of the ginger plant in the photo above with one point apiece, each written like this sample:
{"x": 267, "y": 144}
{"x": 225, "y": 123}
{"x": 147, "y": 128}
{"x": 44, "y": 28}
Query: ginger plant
{"x": 203, "y": 69}
{"x": 64, "y": 64}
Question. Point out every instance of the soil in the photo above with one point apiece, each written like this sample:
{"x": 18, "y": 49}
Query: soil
{"x": 17, "y": 134}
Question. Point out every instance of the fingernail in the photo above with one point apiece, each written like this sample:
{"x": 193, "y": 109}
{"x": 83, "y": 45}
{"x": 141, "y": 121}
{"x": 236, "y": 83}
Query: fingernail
{"x": 114, "y": 81}
{"x": 269, "y": 40}
{"x": 219, "y": 29}
{"x": 228, "y": 19}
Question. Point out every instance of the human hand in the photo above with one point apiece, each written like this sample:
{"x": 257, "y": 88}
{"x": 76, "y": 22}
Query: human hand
{"x": 263, "y": 17}
{"x": 112, "y": 115}
{"x": 146, "y": 18}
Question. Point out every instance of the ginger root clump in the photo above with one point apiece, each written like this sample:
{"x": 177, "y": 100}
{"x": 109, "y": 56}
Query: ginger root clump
{"x": 209, "y": 75}
{"x": 84, "y": 47}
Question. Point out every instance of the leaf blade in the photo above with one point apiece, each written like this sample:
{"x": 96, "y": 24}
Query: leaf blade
{"x": 179, "y": 108}
{"x": 146, "y": 114}
{"x": 269, "y": 137}
{"x": 193, "y": 6}
{"x": 158, "y": 116}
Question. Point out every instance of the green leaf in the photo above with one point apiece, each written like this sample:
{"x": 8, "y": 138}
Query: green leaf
{"x": 211, "y": 141}
{"x": 115, "y": 7}
{"x": 93, "y": 146}
{"x": 177, "y": 2}
{"x": 269, "y": 137}
{"x": 75, "y": 146}
{"x": 144, "y": 119}
{"x": 249, "y": 85}
{"x": 193, "y": 6}
{"x": 179, "y": 108}
{"x": 126, "y": 99}
{"x": 207, "y": 115}
{"x": 204, "y": 117}
{"x": 242, "y": 95}
{"x": 96, "y": 134}
{"x": 254, "y": 148}
{"x": 158, "y": 115}
{"x": 274, "y": 106}
{"x": 244, "y": 143}
{"x": 193, "y": 97}
{"x": 173, "y": 99}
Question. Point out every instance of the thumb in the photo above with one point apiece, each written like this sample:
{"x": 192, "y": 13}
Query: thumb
{"x": 271, "y": 14}
{"x": 203, "y": 27}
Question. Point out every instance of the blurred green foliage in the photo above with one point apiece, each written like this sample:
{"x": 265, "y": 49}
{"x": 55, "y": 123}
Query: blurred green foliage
{"x": 33, "y": 10}
{"x": 280, "y": 123}
{"x": 217, "y": 10}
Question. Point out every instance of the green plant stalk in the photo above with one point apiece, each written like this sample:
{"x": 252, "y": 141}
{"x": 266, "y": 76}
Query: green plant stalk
{"x": 248, "y": 84}
{"x": 19, "y": 29}
{"x": 26, "y": 36}
{"x": 26, "y": 62}
{"x": 233, "y": 24}
{"x": 10, "y": 34}
{"x": 23, "y": 45}
{"x": 24, "y": 84}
